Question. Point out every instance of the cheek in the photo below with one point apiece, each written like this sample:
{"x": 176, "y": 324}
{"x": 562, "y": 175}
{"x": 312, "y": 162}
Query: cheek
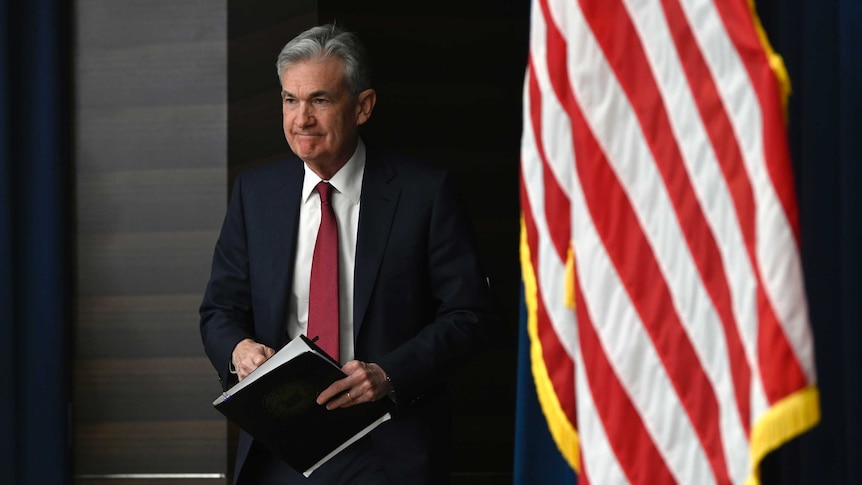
{"x": 287, "y": 128}
{"x": 287, "y": 121}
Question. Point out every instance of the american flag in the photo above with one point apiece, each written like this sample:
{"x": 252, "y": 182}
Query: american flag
{"x": 666, "y": 312}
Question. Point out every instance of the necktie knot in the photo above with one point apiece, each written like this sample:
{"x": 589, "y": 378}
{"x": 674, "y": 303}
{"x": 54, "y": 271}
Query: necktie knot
{"x": 325, "y": 191}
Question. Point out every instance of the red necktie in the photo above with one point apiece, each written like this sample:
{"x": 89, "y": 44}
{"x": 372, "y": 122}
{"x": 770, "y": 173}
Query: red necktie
{"x": 323, "y": 319}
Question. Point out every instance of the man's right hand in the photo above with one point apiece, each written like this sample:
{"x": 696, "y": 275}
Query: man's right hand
{"x": 248, "y": 355}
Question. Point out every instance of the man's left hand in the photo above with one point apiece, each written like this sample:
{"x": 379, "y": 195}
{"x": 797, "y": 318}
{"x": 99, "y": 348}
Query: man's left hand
{"x": 365, "y": 382}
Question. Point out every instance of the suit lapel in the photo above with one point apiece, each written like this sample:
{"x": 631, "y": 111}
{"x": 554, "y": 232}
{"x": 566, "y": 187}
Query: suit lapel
{"x": 379, "y": 200}
{"x": 284, "y": 223}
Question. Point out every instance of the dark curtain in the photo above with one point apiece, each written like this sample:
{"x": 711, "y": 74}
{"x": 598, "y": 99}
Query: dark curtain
{"x": 34, "y": 241}
{"x": 821, "y": 42}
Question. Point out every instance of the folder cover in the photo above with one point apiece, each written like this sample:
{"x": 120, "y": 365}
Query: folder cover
{"x": 276, "y": 405}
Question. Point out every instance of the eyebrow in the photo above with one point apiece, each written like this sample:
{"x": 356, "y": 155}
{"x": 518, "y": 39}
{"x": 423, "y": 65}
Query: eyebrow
{"x": 315, "y": 94}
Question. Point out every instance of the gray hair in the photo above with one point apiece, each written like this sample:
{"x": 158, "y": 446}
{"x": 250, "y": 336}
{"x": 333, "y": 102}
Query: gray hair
{"x": 326, "y": 41}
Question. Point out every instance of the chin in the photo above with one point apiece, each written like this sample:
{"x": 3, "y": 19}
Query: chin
{"x": 308, "y": 155}
{"x": 304, "y": 153}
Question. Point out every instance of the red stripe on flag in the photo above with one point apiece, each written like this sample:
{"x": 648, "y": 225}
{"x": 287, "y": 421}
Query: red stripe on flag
{"x": 779, "y": 365}
{"x": 729, "y": 158}
{"x": 557, "y": 204}
{"x": 780, "y": 368}
{"x": 560, "y": 366}
{"x": 738, "y": 20}
{"x": 584, "y": 475}
{"x": 628, "y": 437}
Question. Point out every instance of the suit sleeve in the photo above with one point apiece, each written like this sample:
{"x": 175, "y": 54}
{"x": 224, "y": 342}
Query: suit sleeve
{"x": 461, "y": 311}
{"x": 226, "y": 310}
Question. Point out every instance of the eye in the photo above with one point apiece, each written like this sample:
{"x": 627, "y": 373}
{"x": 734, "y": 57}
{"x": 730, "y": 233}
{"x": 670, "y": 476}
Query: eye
{"x": 320, "y": 101}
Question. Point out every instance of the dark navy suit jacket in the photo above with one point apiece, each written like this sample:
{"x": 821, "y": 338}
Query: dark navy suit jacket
{"x": 421, "y": 307}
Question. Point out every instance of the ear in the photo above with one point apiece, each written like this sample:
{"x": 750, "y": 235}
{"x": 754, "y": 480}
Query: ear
{"x": 364, "y": 105}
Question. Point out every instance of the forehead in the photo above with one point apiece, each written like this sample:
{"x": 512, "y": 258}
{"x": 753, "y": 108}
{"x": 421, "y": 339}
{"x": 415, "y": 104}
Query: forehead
{"x": 326, "y": 74}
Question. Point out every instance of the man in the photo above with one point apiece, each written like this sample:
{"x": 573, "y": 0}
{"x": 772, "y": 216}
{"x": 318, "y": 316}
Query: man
{"x": 412, "y": 301}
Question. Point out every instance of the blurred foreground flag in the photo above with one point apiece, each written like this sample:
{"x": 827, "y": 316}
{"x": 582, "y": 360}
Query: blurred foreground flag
{"x": 666, "y": 318}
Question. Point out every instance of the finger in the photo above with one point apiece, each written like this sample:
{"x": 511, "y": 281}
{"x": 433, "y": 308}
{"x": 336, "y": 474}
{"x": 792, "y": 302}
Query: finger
{"x": 244, "y": 369}
{"x": 258, "y": 359}
{"x": 349, "y": 398}
{"x": 342, "y": 400}
{"x": 335, "y": 389}
{"x": 251, "y": 360}
{"x": 246, "y": 366}
{"x": 241, "y": 372}
{"x": 358, "y": 372}
{"x": 369, "y": 381}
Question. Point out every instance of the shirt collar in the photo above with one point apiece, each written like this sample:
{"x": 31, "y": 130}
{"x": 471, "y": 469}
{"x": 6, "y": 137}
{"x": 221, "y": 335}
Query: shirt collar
{"x": 347, "y": 181}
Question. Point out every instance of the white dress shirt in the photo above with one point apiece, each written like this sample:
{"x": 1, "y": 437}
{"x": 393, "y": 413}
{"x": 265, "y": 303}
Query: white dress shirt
{"x": 347, "y": 183}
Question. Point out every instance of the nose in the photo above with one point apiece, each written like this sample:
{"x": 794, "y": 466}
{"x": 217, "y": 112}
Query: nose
{"x": 304, "y": 115}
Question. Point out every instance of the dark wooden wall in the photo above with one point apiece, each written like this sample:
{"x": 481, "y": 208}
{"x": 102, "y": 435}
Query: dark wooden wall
{"x": 150, "y": 175}
{"x": 449, "y": 78}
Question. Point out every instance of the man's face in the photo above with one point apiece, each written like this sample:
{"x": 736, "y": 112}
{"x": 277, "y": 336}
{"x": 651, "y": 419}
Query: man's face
{"x": 320, "y": 119}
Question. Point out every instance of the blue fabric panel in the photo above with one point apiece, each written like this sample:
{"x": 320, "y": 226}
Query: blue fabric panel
{"x": 34, "y": 240}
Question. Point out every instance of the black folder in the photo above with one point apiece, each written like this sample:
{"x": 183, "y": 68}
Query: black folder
{"x": 276, "y": 405}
